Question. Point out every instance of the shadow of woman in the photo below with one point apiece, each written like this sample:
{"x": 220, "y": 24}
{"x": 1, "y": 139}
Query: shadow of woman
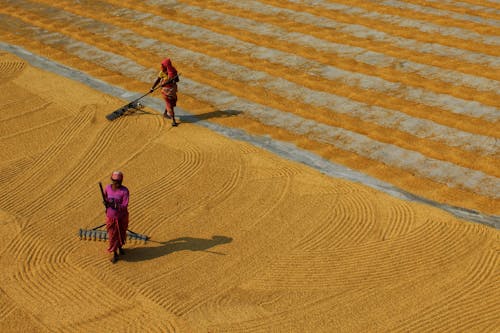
{"x": 175, "y": 245}
{"x": 208, "y": 115}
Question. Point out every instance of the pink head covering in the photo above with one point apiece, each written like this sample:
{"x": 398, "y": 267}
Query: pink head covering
{"x": 117, "y": 175}
{"x": 166, "y": 64}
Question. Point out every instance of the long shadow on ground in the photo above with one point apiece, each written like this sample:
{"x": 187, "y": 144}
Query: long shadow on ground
{"x": 175, "y": 245}
{"x": 214, "y": 114}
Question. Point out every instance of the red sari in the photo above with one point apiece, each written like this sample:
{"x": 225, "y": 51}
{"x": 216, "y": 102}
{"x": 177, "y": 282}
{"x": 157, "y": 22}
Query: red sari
{"x": 169, "y": 91}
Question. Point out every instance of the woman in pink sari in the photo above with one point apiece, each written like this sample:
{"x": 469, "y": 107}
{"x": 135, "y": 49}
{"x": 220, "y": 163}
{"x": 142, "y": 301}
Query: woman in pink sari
{"x": 116, "y": 201}
{"x": 168, "y": 79}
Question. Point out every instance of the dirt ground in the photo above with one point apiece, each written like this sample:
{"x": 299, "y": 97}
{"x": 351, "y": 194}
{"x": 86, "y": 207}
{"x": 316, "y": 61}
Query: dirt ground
{"x": 246, "y": 237}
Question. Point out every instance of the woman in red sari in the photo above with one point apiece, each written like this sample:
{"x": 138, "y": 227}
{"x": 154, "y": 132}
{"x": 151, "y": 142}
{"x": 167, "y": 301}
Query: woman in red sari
{"x": 116, "y": 201}
{"x": 168, "y": 81}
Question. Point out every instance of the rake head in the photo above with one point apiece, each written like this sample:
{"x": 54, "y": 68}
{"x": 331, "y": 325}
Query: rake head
{"x": 102, "y": 235}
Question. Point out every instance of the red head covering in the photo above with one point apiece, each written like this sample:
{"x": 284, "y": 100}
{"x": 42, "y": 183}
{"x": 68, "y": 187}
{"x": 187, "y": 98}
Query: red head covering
{"x": 166, "y": 65}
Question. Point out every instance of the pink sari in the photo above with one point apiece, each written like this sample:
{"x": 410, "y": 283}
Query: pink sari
{"x": 117, "y": 232}
{"x": 117, "y": 218}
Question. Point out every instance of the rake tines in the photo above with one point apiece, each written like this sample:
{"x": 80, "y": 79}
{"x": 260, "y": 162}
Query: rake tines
{"x": 135, "y": 236}
{"x": 102, "y": 235}
{"x": 99, "y": 235}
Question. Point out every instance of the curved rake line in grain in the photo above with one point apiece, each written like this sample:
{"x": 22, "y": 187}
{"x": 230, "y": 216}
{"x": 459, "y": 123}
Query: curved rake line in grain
{"x": 227, "y": 186}
{"x": 201, "y": 294}
{"x": 89, "y": 157}
{"x": 222, "y": 285}
{"x": 336, "y": 227}
{"x": 356, "y": 34}
{"x": 25, "y": 103}
{"x": 112, "y": 319}
{"x": 123, "y": 318}
{"x": 12, "y": 169}
{"x": 325, "y": 268}
{"x": 28, "y": 313}
{"x": 418, "y": 242}
{"x": 7, "y": 306}
{"x": 191, "y": 164}
{"x": 32, "y": 252}
{"x": 14, "y": 242}
{"x": 323, "y": 224}
{"x": 96, "y": 296}
{"x": 404, "y": 27}
{"x": 42, "y": 254}
{"x": 10, "y": 69}
{"x": 284, "y": 191}
{"x": 247, "y": 149}
{"x": 91, "y": 193}
{"x": 289, "y": 170}
{"x": 431, "y": 231}
{"x": 86, "y": 194}
{"x": 436, "y": 257}
{"x": 141, "y": 324}
{"x": 53, "y": 192}
{"x": 24, "y": 279}
{"x": 9, "y": 103}
{"x": 13, "y": 191}
{"x": 100, "y": 31}
{"x": 198, "y": 24}
{"x": 49, "y": 233}
{"x": 167, "y": 298}
{"x": 34, "y": 128}
{"x": 170, "y": 300}
{"x": 149, "y": 287}
{"x": 98, "y": 268}
{"x": 488, "y": 312}
{"x": 348, "y": 227}
{"x": 228, "y": 300}
{"x": 216, "y": 196}
{"x": 402, "y": 219}
{"x": 283, "y": 320}
{"x": 53, "y": 281}
{"x": 231, "y": 276}
{"x": 482, "y": 271}
{"x": 6, "y": 310}
{"x": 26, "y": 247}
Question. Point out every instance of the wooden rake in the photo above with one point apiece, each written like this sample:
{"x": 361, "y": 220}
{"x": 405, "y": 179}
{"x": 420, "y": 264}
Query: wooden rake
{"x": 102, "y": 235}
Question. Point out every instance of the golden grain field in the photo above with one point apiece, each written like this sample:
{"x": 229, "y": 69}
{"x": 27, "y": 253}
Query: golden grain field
{"x": 400, "y": 96}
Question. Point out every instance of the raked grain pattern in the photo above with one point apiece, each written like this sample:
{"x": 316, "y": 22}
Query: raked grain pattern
{"x": 244, "y": 241}
{"x": 406, "y": 92}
